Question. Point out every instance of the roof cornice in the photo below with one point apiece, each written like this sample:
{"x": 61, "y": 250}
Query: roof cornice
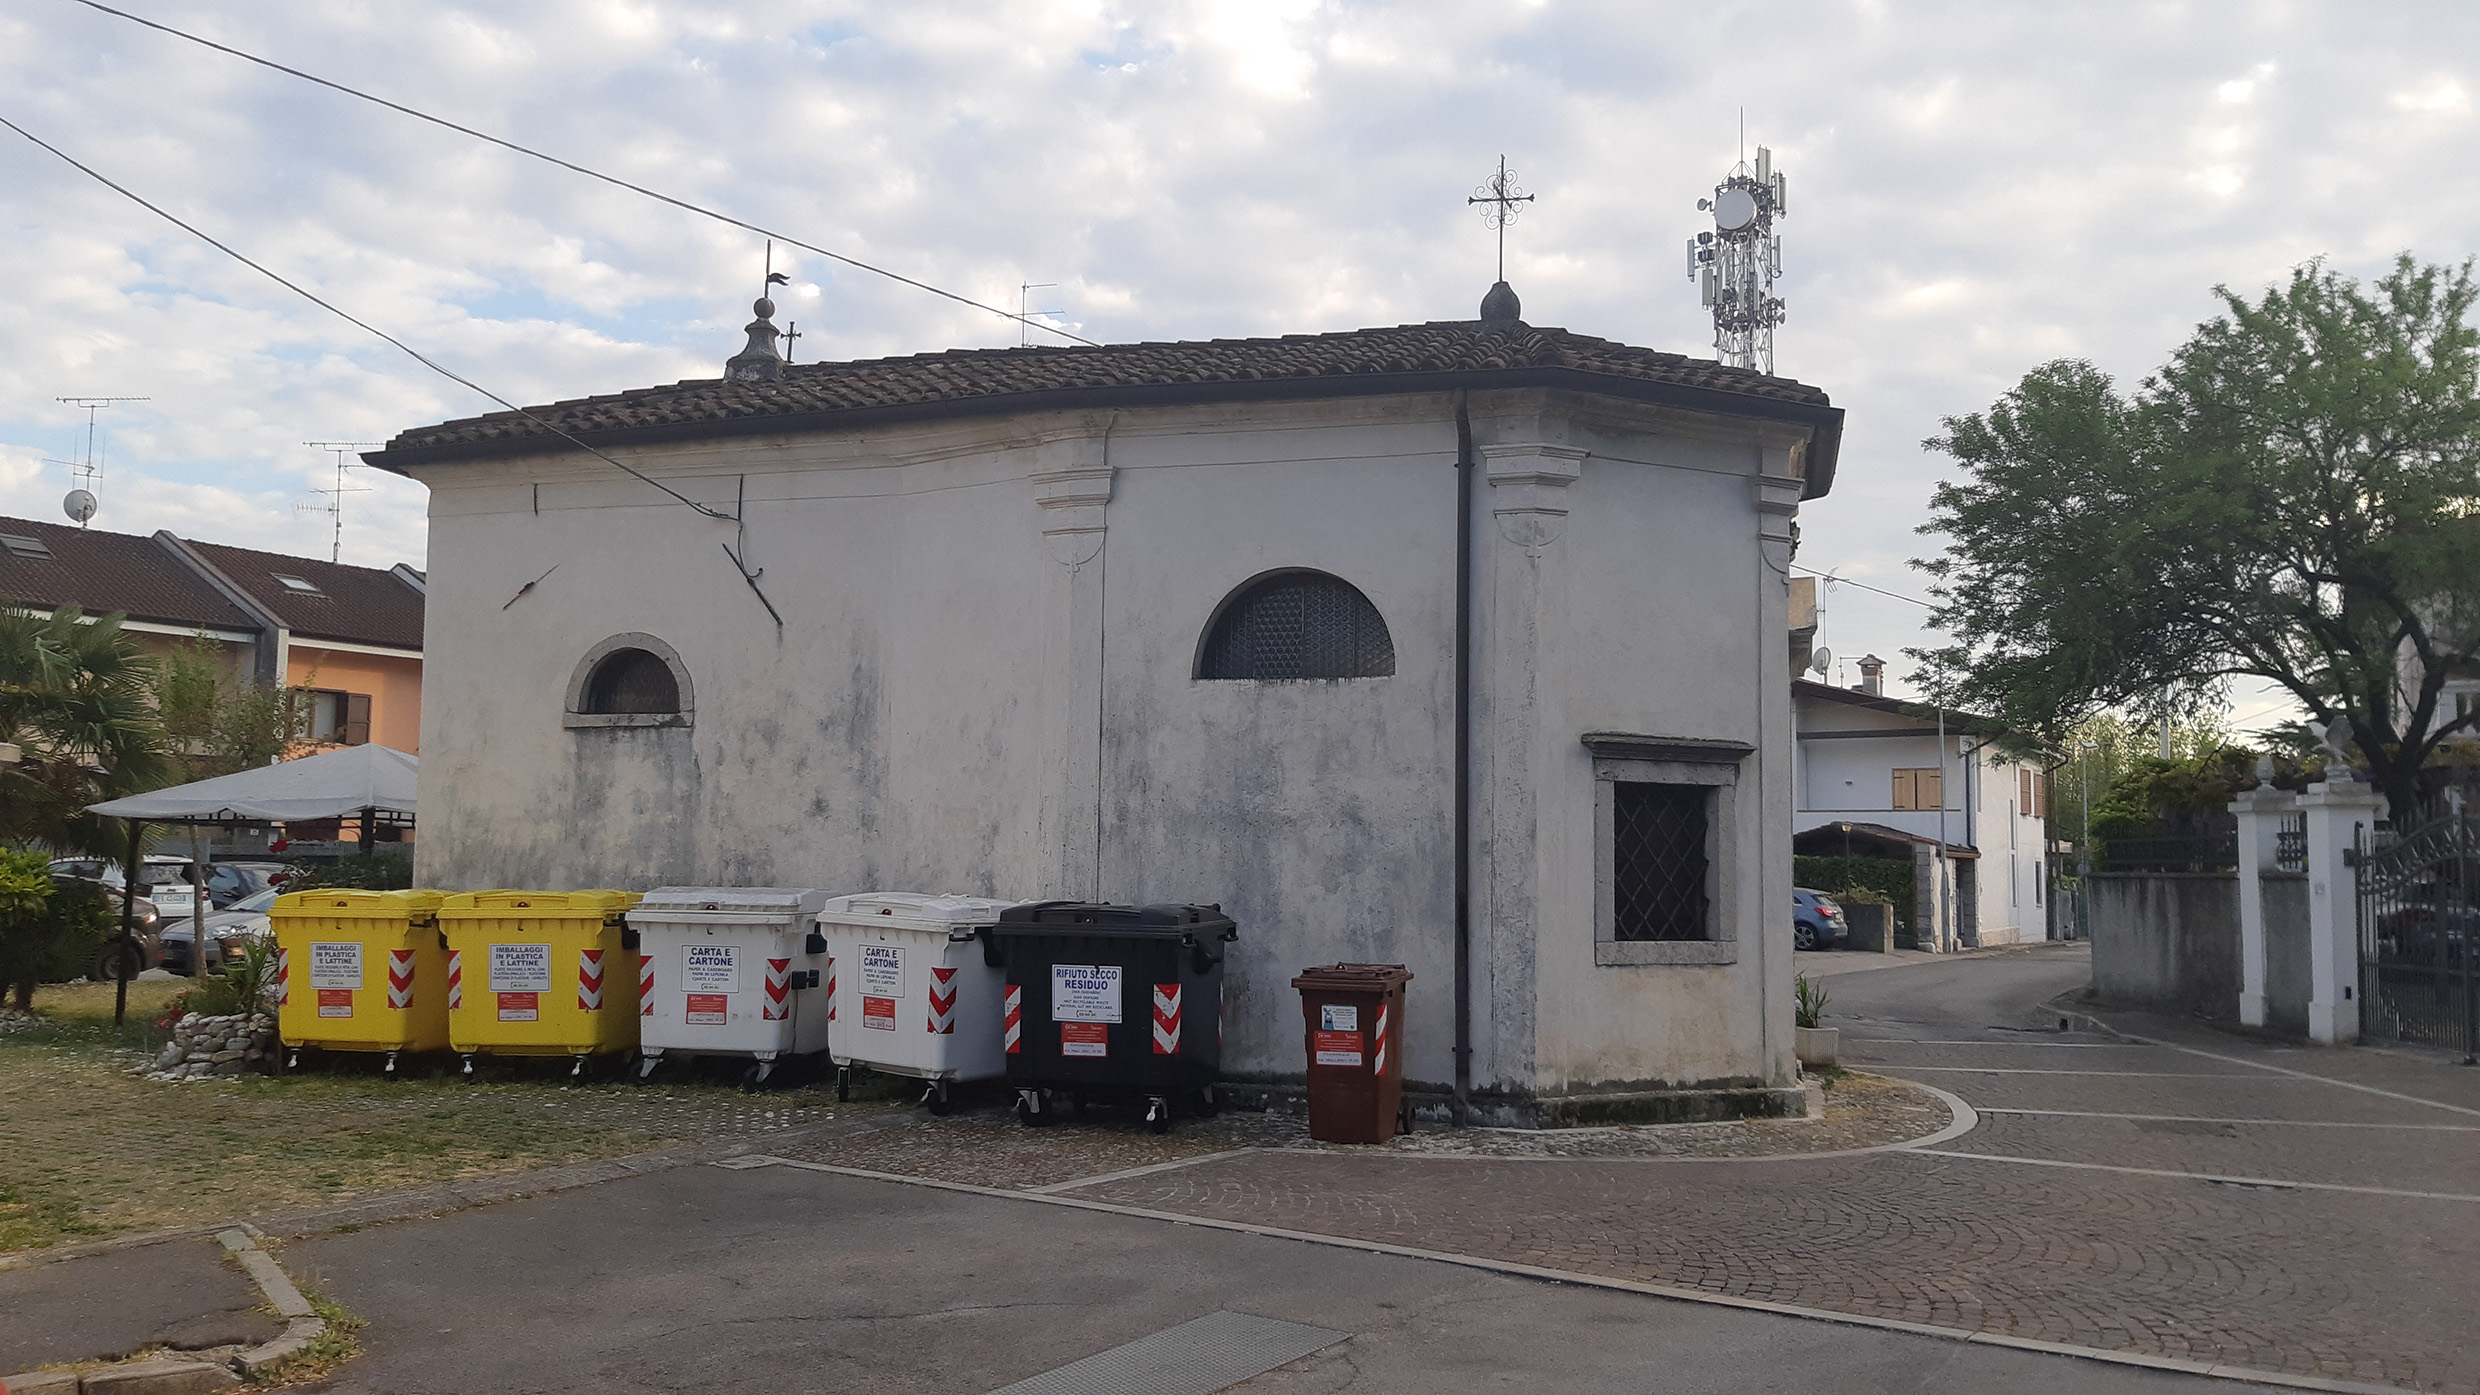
{"x": 1826, "y": 422}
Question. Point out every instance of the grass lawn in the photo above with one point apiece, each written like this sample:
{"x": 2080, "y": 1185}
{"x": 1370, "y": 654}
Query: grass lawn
{"x": 90, "y": 1148}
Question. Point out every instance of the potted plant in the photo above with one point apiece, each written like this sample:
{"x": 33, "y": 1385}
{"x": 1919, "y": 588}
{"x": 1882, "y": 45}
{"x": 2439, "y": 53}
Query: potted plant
{"x": 1814, "y": 1045}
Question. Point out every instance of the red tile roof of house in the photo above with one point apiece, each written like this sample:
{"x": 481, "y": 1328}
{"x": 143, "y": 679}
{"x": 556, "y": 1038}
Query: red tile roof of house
{"x": 104, "y": 572}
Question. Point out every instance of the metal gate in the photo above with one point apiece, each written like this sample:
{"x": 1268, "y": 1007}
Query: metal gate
{"x": 2419, "y": 932}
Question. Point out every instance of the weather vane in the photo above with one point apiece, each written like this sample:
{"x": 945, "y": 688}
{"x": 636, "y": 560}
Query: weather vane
{"x": 1738, "y": 261}
{"x": 1498, "y": 200}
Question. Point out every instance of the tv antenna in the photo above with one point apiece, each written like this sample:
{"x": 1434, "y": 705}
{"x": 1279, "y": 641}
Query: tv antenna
{"x": 1737, "y": 262}
{"x": 1024, "y": 315}
{"x": 1500, "y": 197}
{"x": 80, "y": 502}
{"x": 334, "y": 507}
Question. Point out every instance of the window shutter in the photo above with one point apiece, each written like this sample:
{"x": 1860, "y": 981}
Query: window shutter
{"x": 355, "y": 730}
{"x": 1902, "y": 790}
{"x": 1932, "y": 789}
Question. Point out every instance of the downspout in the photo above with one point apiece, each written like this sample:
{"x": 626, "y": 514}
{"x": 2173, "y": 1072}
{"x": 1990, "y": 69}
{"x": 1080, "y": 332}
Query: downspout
{"x": 1463, "y": 759}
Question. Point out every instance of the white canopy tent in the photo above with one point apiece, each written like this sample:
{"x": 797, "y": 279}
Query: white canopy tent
{"x": 372, "y": 783}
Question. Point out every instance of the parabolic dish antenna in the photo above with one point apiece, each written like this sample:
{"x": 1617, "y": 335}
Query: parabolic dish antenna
{"x": 79, "y": 505}
{"x": 1734, "y": 209}
{"x": 1822, "y": 661}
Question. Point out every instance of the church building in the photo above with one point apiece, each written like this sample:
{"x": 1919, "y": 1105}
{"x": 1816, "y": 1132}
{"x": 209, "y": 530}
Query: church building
{"x": 1457, "y": 645}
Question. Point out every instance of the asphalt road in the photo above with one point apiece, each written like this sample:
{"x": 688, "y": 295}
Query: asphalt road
{"x": 778, "y": 1280}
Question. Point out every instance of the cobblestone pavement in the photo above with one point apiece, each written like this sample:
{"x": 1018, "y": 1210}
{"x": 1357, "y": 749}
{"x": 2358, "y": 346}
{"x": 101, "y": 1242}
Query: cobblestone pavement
{"x": 2050, "y": 1224}
{"x": 988, "y": 1147}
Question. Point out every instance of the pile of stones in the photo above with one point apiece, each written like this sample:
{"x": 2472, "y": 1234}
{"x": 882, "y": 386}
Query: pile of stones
{"x": 227, "y": 1045}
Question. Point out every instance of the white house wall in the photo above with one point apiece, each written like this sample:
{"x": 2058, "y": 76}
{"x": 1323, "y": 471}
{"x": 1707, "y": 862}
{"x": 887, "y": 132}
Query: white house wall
{"x": 983, "y": 685}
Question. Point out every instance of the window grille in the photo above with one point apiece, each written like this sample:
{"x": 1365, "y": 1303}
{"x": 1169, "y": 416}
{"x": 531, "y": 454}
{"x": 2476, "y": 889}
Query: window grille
{"x": 631, "y": 681}
{"x": 1658, "y": 862}
{"x": 1298, "y": 625}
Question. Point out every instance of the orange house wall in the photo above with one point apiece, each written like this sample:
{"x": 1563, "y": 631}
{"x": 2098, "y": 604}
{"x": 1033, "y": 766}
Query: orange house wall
{"x": 394, "y": 685}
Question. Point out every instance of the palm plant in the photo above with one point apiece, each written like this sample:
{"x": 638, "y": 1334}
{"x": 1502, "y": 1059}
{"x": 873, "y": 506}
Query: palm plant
{"x": 74, "y": 700}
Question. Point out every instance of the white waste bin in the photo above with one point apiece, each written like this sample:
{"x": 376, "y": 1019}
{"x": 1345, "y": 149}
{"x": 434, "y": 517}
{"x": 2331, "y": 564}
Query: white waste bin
{"x": 729, "y": 971}
{"x": 910, "y": 990}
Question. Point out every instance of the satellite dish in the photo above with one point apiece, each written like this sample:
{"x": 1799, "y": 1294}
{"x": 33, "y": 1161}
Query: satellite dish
{"x": 1821, "y": 661}
{"x": 80, "y": 506}
{"x": 1734, "y": 209}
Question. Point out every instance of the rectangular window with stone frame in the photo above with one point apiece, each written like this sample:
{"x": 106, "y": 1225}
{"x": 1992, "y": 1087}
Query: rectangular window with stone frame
{"x": 1666, "y": 877}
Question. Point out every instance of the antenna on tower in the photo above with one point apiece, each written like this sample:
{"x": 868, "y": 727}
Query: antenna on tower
{"x": 80, "y": 503}
{"x": 1737, "y": 262}
{"x": 334, "y": 507}
{"x": 1025, "y": 312}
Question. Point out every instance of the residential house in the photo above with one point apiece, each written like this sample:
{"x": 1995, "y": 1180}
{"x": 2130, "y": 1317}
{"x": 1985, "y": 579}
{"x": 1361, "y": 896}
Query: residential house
{"x": 351, "y": 634}
{"x": 1954, "y": 793}
{"x": 1188, "y": 622}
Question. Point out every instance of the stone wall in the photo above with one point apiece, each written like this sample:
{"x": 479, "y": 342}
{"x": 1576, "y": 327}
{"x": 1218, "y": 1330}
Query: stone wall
{"x": 229, "y": 1045}
{"x": 2170, "y": 941}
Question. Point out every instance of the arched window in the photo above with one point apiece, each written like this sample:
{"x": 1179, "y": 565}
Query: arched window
{"x": 1297, "y": 624}
{"x": 630, "y": 680}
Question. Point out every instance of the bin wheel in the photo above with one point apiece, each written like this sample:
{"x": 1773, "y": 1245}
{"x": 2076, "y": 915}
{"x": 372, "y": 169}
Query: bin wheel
{"x": 467, "y": 1074}
{"x": 292, "y": 1059}
{"x": 754, "y": 1078}
{"x": 388, "y": 1070}
{"x": 1209, "y": 1103}
{"x": 936, "y": 1097}
{"x": 644, "y": 1074}
{"x": 1029, "y": 1109}
{"x": 843, "y": 1084}
{"x": 1158, "y": 1114}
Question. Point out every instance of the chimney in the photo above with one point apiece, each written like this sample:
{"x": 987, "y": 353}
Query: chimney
{"x": 1872, "y": 675}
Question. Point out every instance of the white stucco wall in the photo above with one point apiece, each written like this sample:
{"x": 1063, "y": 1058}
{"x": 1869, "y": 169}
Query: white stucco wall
{"x": 983, "y": 684}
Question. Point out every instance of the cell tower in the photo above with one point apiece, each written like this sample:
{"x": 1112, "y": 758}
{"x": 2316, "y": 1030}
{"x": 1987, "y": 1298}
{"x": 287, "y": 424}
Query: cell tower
{"x": 1737, "y": 262}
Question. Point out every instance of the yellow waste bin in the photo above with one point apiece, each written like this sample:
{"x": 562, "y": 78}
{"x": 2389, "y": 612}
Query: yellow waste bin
{"x": 360, "y": 971}
{"x": 539, "y": 973}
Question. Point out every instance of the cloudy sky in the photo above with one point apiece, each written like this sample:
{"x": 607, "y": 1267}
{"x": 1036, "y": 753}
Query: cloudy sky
{"x": 1974, "y": 189}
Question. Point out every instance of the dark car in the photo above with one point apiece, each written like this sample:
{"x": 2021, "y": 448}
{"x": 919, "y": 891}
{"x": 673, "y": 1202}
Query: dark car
{"x": 2429, "y": 923}
{"x": 1816, "y": 922}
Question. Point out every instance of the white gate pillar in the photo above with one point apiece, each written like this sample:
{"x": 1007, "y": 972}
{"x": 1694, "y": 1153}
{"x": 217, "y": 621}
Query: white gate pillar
{"x": 2337, "y": 811}
{"x": 2260, "y": 812}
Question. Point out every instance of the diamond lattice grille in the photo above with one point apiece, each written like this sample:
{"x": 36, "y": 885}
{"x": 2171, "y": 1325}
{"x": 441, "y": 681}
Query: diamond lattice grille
{"x": 1658, "y": 862}
{"x": 1299, "y": 625}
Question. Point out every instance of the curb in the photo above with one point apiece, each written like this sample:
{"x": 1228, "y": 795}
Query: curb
{"x": 2216, "y": 1371}
{"x": 303, "y": 1325}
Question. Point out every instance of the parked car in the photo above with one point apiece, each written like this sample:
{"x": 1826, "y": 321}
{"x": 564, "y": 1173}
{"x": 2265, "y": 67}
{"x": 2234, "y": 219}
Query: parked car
{"x": 1816, "y": 922}
{"x": 2430, "y": 923}
{"x": 229, "y": 883}
{"x": 229, "y": 931}
{"x": 145, "y": 927}
{"x": 162, "y": 879}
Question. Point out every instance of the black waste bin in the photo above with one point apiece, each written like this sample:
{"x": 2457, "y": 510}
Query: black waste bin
{"x": 1112, "y": 1003}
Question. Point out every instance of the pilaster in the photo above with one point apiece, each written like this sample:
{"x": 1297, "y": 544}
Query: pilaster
{"x": 1072, "y": 489}
{"x": 2260, "y": 812}
{"x": 2338, "y": 811}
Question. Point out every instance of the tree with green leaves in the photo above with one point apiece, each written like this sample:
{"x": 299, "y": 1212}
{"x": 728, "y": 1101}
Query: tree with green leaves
{"x": 216, "y": 723}
{"x": 74, "y": 699}
{"x": 2294, "y": 496}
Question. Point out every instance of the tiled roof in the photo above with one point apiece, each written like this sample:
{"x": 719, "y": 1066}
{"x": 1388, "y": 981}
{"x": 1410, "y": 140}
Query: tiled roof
{"x": 104, "y": 572}
{"x": 1406, "y": 358}
{"x": 358, "y": 605}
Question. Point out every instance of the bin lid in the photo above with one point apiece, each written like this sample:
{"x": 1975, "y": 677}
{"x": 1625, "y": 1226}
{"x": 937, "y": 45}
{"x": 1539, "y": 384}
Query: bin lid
{"x": 346, "y": 903}
{"x": 1104, "y": 918}
{"x": 737, "y": 903}
{"x": 911, "y": 909}
{"x": 535, "y": 905}
{"x": 1352, "y": 978}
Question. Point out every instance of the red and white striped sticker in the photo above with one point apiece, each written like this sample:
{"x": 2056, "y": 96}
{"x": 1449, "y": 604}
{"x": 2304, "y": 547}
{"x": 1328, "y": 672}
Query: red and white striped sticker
{"x": 1166, "y": 1019}
{"x": 778, "y": 1002}
{"x": 1377, "y": 1054}
{"x": 456, "y": 978}
{"x": 284, "y": 977}
{"x": 1015, "y": 1019}
{"x": 400, "y": 978}
{"x": 589, "y": 980}
{"x": 942, "y": 1002}
{"x": 645, "y": 985}
{"x": 830, "y": 988}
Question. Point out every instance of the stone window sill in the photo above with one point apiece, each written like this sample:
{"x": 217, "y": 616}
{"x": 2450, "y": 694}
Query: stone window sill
{"x": 1610, "y": 953}
{"x": 578, "y": 721}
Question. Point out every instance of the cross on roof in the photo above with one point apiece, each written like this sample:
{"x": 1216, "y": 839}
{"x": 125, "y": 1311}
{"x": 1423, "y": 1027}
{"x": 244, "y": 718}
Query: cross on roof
{"x": 1500, "y": 197}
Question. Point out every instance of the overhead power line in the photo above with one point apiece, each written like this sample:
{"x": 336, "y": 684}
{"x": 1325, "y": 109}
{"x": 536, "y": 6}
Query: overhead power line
{"x": 570, "y": 165}
{"x": 1847, "y": 581}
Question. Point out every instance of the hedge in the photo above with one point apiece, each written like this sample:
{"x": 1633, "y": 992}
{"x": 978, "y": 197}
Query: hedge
{"x": 1890, "y": 877}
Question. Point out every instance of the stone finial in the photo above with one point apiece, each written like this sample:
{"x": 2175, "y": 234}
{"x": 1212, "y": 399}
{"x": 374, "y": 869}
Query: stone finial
{"x": 1500, "y": 309}
{"x": 759, "y": 362}
{"x": 2264, "y": 770}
